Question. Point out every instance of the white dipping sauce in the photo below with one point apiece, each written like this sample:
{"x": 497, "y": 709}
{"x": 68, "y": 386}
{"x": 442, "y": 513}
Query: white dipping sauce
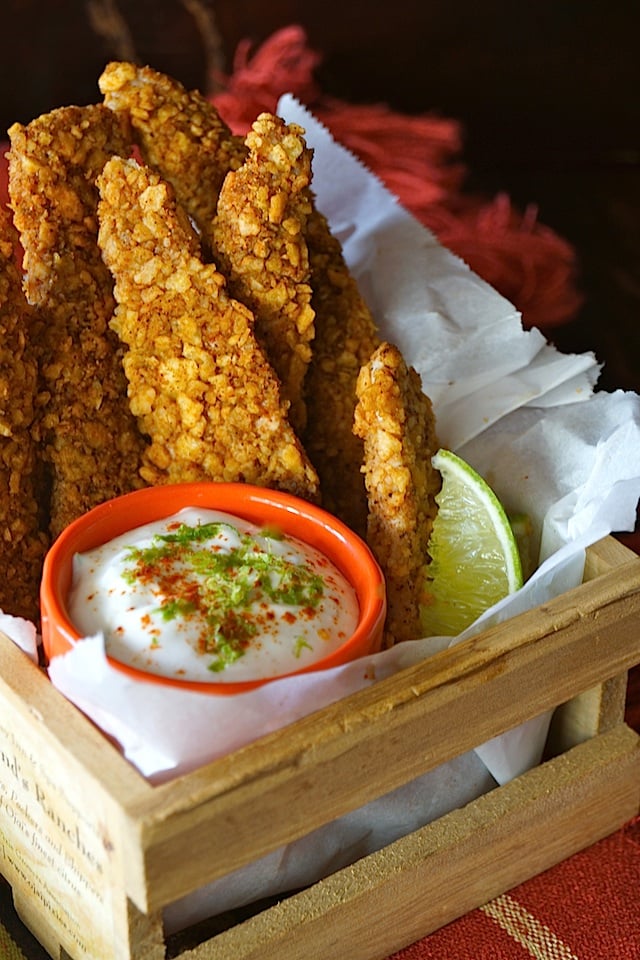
{"x": 206, "y": 596}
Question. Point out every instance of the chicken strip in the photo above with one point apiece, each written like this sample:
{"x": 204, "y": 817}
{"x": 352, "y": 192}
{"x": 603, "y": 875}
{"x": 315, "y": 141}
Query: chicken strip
{"x": 22, "y": 540}
{"x": 199, "y": 382}
{"x": 183, "y": 137}
{"x": 91, "y": 441}
{"x": 259, "y": 245}
{"x": 396, "y": 422}
{"x": 345, "y": 338}
{"x": 180, "y": 134}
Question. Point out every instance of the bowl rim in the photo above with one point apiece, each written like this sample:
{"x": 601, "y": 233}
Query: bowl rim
{"x": 296, "y": 517}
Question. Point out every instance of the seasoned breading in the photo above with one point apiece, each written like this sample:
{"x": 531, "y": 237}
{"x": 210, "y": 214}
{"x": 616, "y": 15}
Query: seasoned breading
{"x": 345, "y": 338}
{"x": 179, "y": 132}
{"x": 199, "y": 383}
{"x": 91, "y": 441}
{"x": 396, "y": 422}
{"x": 259, "y": 245}
{"x": 22, "y": 541}
{"x": 183, "y": 137}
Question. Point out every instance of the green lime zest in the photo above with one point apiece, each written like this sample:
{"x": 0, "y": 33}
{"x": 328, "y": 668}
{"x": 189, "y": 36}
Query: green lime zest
{"x": 222, "y": 587}
{"x": 170, "y": 609}
{"x": 300, "y": 645}
{"x": 226, "y": 653}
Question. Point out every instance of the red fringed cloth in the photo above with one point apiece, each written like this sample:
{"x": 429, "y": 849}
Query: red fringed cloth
{"x": 419, "y": 159}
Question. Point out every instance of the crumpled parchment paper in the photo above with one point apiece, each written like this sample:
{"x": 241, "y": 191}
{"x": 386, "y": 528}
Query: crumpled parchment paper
{"x": 523, "y": 414}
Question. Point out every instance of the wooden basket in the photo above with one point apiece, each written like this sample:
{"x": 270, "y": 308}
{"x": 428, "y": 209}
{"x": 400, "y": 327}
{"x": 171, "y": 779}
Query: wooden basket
{"x": 93, "y": 852}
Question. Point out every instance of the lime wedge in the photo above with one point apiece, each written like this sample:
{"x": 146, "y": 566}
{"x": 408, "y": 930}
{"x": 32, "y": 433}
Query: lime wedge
{"x": 474, "y": 554}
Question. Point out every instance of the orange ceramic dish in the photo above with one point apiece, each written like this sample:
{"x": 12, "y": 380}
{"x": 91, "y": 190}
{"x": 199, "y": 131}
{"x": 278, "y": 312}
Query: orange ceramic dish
{"x": 260, "y": 506}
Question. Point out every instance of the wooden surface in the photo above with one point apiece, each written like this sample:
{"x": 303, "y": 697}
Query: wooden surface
{"x": 87, "y": 823}
{"x": 392, "y": 898}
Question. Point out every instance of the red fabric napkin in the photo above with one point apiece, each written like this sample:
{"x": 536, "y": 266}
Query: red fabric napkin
{"x": 419, "y": 158}
{"x": 586, "y": 908}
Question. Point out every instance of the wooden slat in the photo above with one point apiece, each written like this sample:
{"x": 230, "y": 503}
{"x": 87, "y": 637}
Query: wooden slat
{"x": 28, "y": 692}
{"x": 232, "y": 811}
{"x": 281, "y": 787}
{"x": 605, "y": 556}
{"x": 602, "y": 707}
{"x": 394, "y": 897}
{"x": 595, "y": 711}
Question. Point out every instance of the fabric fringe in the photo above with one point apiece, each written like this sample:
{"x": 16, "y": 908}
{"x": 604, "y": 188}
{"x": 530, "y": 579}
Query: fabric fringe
{"x": 419, "y": 159}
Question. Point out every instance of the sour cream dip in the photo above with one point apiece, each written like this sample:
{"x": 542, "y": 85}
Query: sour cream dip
{"x": 209, "y": 597}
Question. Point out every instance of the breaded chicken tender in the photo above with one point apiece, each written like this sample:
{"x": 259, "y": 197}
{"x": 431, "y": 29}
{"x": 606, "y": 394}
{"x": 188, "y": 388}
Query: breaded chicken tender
{"x": 259, "y": 244}
{"x": 199, "y": 383}
{"x": 345, "y": 338}
{"x": 396, "y": 422}
{"x": 91, "y": 441}
{"x": 179, "y": 132}
{"x": 183, "y": 137}
{"x": 22, "y": 541}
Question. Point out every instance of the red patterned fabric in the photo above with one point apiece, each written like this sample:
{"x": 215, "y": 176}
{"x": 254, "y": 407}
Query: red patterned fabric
{"x": 586, "y": 908}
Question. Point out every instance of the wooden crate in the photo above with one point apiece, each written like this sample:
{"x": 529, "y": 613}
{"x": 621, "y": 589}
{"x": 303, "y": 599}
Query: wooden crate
{"x": 93, "y": 852}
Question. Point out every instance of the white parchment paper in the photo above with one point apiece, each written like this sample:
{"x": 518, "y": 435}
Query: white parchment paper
{"x": 525, "y": 415}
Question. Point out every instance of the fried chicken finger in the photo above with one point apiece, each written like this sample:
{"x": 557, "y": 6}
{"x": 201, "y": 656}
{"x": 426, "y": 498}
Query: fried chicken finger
{"x": 199, "y": 383}
{"x": 91, "y": 441}
{"x": 179, "y": 132}
{"x": 22, "y": 542}
{"x": 345, "y": 338}
{"x": 259, "y": 244}
{"x": 396, "y": 422}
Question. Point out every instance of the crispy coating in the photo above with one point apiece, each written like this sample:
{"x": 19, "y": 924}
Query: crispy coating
{"x": 182, "y": 136}
{"x": 91, "y": 441}
{"x": 259, "y": 244}
{"x": 345, "y": 338}
{"x": 22, "y": 541}
{"x": 199, "y": 383}
{"x": 179, "y": 132}
{"x": 396, "y": 421}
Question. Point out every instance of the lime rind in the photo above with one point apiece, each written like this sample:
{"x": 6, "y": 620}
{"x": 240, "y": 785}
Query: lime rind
{"x": 475, "y": 559}
{"x": 447, "y": 462}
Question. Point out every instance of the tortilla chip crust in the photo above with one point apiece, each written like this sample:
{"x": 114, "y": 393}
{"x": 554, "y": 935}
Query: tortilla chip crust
{"x": 199, "y": 383}
{"x": 395, "y": 420}
{"x": 259, "y": 244}
{"x": 90, "y": 439}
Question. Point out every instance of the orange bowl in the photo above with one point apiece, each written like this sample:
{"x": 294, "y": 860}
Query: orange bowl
{"x": 293, "y": 516}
